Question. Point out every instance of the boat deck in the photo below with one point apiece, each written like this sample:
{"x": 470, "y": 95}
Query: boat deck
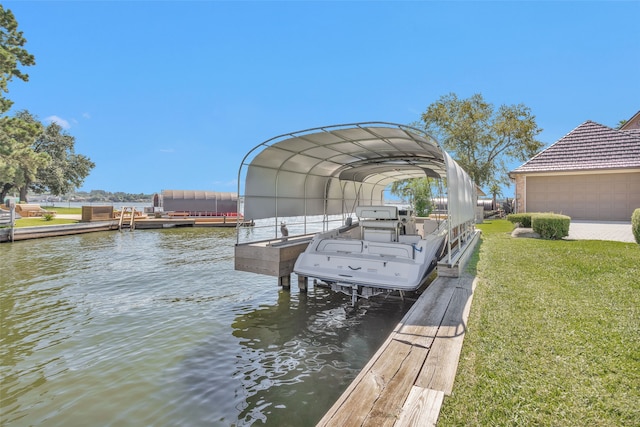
{"x": 405, "y": 382}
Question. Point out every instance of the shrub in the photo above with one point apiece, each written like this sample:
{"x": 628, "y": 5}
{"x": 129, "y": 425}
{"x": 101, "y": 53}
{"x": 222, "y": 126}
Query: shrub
{"x": 635, "y": 225}
{"x": 47, "y": 216}
{"x": 524, "y": 219}
{"x": 551, "y": 226}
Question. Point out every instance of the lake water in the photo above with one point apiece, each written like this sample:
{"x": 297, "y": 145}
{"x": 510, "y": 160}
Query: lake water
{"x": 155, "y": 328}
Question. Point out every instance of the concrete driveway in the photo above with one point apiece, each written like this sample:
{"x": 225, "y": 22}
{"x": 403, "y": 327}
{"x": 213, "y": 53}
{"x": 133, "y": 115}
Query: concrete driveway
{"x": 600, "y": 230}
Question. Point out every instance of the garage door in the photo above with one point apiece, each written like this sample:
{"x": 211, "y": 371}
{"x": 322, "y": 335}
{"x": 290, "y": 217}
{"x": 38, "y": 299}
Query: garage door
{"x": 604, "y": 197}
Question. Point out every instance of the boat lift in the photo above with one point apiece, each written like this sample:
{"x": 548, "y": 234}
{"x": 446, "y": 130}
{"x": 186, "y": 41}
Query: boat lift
{"x": 312, "y": 180}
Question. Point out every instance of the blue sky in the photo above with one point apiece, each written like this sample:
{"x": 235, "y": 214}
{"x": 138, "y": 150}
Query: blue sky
{"x": 172, "y": 95}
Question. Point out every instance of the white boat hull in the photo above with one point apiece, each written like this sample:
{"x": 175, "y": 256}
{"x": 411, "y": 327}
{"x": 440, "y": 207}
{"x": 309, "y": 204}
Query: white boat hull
{"x": 399, "y": 265}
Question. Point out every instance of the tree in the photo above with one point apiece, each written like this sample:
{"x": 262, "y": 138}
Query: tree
{"x": 19, "y": 163}
{"x": 480, "y": 138}
{"x": 12, "y": 54}
{"x": 67, "y": 170}
{"x": 42, "y": 159}
{"x": 417, "y": 191}
{"x": 495, "y": 191}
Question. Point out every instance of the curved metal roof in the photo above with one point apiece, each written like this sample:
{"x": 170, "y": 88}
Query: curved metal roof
{"x": 198, "y": 195}
{"x": 328, "y": 170}
{"x": 199, "y": 201}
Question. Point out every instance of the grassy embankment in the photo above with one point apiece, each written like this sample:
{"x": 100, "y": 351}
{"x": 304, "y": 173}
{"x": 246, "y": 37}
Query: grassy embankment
{"x": 38, "y": 221}
{"x": 553, "y": 335}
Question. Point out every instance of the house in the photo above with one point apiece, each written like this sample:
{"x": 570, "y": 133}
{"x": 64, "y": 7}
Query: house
{"x": 633, "y": 123}
{"x": 592, "y": 173}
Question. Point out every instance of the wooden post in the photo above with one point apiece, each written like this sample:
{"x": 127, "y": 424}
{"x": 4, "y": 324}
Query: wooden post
{"x": 121, "y": 219}
{"x": 285, "y": 282}
{"x": 303, "y": 283}
{"x": 131, "y": 221}
{"x": 12, "y": 219}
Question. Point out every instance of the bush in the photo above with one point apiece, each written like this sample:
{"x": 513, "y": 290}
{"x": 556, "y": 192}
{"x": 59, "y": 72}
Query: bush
{"x": 524, "y": 219}
{"x": 635, "y": 225}
{"x": 47, "y": 216}
{"x": 551, "y": 226}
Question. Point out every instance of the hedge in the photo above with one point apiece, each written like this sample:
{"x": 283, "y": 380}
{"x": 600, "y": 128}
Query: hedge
{"x": 524, "y": 219}
{"x": 551, "y": 226}
{"x": 547, "y": 225}
{"x": 635, "y": 225}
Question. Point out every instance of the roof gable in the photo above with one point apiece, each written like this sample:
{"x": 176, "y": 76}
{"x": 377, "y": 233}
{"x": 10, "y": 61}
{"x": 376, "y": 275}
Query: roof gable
{"x": 632, "y": 123}
{"x": 590, "y": 146}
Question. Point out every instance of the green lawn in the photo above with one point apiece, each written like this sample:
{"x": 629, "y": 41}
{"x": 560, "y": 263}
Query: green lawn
{"x": 61, "y": 210}
{"x": 38, "y": 221}
{"x": 553, "y": 335}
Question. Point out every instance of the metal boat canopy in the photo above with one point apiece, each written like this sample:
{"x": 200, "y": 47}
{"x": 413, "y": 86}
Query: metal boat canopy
{"x": 199, "y": 201}
{"x": 330, "y": 170}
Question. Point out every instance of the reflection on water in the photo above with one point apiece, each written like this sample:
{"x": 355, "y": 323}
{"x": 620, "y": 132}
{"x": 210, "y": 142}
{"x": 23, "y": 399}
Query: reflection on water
{"x": 155, "y": 328}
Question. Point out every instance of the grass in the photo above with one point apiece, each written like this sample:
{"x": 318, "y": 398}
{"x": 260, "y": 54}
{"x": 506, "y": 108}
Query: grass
{"x": 553, "y": 335}
{"x": 64, "y": 211}
{"x": 39, "y": 221}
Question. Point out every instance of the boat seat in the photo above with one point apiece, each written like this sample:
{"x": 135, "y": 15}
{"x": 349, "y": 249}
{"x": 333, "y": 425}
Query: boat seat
{"x": 378, "y": 235}
{"x": 392, "y": 224}
{"x": 395, "y": 250}
{"x": 377, "y": 212}
{"x": 429, "y": 226}
{"x": 338, "y": 245}
{"x": 409, "y": 238}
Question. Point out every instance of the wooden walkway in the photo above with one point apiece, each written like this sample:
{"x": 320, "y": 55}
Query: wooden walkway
{"x": 405, "y": 382}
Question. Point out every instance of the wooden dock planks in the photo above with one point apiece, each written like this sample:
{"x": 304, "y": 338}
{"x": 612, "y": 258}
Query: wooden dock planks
{"x": 439, "y": 369}
{"x": 405, "y": 382}
{"x": 421, "y": 408}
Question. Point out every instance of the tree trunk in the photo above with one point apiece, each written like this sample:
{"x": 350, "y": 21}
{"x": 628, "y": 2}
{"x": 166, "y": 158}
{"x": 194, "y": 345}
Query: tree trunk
{"x": 4, "y": 191}
{"x": 23, "y": 194}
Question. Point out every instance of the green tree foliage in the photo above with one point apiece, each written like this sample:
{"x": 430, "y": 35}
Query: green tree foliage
{"x": 67, "y": 170}
{"x": 19, "y": 163}
{"x": 635, "y": 225}
{"x": 495, "y": 191}
{"x": 417, "y": 191}
{"x": 106, "y": 196}
{"x": 480, "y": 138}
{"x": 12, "y": 54}
{"x": 32, "y": 156}
{"x": 40, "y": 158}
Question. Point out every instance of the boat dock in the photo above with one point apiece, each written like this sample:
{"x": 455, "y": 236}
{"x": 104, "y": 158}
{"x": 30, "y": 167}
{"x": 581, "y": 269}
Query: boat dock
{"x": 26, "y": 233}
{"x": 405, "y": 382}
{"x": 36, "y": 232}
{"x": 148, "y": 223}
{"x": 407, "y": 379}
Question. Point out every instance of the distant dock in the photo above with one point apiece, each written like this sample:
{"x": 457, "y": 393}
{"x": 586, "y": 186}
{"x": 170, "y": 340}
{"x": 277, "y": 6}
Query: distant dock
{"x": 26, "y": 233}
{"x": 148, "y": 223}
{"x": 143, "y": 223}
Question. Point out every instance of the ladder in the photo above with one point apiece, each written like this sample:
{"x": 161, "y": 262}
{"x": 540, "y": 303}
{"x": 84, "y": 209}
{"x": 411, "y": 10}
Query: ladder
{"x": 131, "y": 211}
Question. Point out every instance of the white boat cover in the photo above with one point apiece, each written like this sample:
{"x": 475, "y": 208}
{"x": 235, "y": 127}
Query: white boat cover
{"x": 330, "y": 170}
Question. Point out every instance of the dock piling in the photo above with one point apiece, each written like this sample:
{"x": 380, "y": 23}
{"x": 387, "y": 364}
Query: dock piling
{"x": 285, "y": 282}
{"x": 303, "y": 283}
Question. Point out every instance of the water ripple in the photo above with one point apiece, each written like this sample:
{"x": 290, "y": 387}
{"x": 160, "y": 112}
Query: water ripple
{"x": 156, "y": 328}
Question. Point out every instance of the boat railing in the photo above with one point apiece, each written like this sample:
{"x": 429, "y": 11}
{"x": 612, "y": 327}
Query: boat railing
{"x": 459, "y": 236}
{"x": 283, "y": 228}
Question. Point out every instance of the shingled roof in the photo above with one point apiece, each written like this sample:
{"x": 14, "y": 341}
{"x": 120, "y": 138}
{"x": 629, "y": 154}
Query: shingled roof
{"x": 590, "y": 146}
